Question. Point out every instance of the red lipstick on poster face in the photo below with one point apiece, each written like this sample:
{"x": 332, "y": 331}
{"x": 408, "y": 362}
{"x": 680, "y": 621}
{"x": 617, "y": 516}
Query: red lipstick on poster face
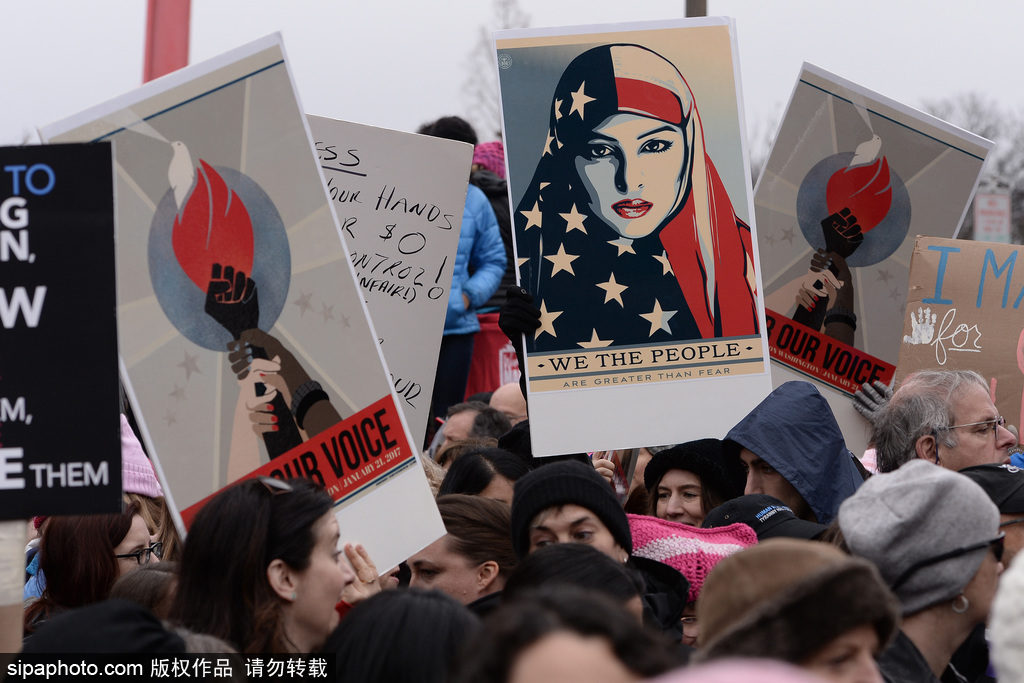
{"x": 632, "y": 208}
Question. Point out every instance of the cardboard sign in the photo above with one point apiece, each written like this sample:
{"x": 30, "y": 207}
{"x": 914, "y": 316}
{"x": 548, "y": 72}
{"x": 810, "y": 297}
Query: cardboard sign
{"x": 244, "y": 338}
{"x": 634, "y": 232}
{"x": 962, "y": 314}
{"x": 399, "y": 200}
{"x": 60, "y": 448}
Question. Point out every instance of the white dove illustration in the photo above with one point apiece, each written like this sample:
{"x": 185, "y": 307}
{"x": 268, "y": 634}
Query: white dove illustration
{"x": 181, "y": 174}
{"x": 866, "y": 152}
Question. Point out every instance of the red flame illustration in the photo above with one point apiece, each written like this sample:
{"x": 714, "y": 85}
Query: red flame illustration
{"x": 866, "y": 190}
{"x": 212, "y": 227}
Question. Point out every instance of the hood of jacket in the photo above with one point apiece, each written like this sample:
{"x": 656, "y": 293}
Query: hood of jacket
{"x": 491, "y": 183}
{"x": 794, "y": 431}
{"x": 665, "y": 594}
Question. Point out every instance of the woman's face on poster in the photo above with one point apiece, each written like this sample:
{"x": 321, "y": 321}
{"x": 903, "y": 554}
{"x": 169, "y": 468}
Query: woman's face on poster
{"x": 631, "y": 167}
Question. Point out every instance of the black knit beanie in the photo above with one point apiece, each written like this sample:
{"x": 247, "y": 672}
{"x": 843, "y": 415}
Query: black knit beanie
{"x": 566, "y": 483}
{"x": 707, "y": 459}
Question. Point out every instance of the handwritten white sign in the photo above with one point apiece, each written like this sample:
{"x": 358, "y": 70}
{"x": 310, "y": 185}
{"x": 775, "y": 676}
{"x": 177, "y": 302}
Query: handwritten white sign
{"x": 399, "y": 199}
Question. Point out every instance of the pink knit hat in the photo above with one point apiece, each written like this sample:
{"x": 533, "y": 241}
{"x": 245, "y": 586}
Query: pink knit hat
{"x": 689, "y": 549}
{"x": 136, "y": 471}
{"x": 490, "y": 155}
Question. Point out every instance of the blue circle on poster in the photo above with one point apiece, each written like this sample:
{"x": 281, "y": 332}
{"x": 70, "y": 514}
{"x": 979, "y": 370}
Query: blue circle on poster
{"x": 183, "y": 302}
{"x": 880, "y": 242}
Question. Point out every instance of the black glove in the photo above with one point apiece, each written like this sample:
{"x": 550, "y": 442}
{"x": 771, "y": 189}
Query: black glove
{"x": 518, "y": 315}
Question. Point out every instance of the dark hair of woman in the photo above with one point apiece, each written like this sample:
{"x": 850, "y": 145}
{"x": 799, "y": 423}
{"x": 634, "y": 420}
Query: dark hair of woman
{"x": 157, "y": 515}
{"x": 833, "y": 534}
{"x": 76, "y": 554}
{"x": 450, "y": 128}
{"x": 473, "y": 471}
{"x": 223, "y": 588}
{"x": 574, "y": 564}
{"x": 479, "y": 529}
{"x": 638, "y": 502}
{"x": 518, "y": 625}
{"x": 401, "y": 636}
{"x": 446, "y": 455}
{"x": 152, "y": 586}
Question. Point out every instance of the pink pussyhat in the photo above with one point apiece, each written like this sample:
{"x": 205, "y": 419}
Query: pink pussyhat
{"x": 136, "y": 471}
{"x": 693, "y": 551}
{"x": 490, "y": 155}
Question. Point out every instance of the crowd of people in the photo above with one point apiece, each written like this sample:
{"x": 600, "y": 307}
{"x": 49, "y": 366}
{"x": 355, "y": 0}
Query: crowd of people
{"x": 769, "y": 553}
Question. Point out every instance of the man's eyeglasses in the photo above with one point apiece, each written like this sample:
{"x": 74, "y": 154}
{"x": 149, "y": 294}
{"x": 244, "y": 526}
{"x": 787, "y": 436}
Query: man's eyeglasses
{"x": 994, "y": 424}
{"x": 995, "y": 543}
{"x": 1012, "y": 521}
{"x": 147, "y": 553}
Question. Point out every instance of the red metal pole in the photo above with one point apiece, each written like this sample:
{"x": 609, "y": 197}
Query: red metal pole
{"x": 167, "y": 29}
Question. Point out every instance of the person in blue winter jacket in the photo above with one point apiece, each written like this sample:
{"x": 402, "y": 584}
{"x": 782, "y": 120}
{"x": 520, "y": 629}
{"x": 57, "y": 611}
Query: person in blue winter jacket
{"x": 479, "y": 265}
{"x": 792, "y": 449}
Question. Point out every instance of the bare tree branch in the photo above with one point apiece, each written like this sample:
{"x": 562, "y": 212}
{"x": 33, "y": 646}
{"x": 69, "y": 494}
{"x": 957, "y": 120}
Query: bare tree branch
{"x": 983, "y": 116}
{"x": 480, "y": 87}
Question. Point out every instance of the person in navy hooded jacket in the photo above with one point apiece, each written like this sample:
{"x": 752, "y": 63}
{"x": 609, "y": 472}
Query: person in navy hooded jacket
{"x": 792, "y": 449}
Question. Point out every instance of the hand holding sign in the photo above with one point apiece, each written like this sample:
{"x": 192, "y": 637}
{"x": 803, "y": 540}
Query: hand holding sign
{"x": 869, "y": 400}
{"x": 260, "y": 408}
{"x": 816, "y": 284}
{"x": 367, "y": 581}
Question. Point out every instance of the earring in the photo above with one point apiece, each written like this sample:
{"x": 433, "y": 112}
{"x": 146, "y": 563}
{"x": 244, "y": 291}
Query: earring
{"x": 293, "y": 596}
{"x": 966, "y": 604}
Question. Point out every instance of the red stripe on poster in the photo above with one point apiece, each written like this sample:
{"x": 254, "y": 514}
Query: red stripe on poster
{"x": 821, "y": 357}
{"x": 346, "y": 459}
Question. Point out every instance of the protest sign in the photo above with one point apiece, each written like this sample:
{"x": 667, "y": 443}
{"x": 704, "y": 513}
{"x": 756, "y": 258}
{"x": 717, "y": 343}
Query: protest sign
{"x": 243, "y": 335}
{"x": 992, "y": 211}
{"x": 399, "y": 200}
{"x": 634, "y": 232}
{"x": 962, "y": 314}
{"x": 851, "y": 178}
{"x": 60, "y": 439}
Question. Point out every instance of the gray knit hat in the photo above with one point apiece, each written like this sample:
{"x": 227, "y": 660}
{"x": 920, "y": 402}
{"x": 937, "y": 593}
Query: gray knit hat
{"x": 917, "y": 513}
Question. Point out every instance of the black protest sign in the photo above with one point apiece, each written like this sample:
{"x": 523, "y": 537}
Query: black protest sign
{"x": 60, "y": 446}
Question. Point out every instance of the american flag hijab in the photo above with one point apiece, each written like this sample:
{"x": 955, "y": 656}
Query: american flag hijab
{"x": 688, "y": 271}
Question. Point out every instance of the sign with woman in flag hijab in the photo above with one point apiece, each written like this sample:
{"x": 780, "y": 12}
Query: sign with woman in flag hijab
{"x": 634, "y": 232}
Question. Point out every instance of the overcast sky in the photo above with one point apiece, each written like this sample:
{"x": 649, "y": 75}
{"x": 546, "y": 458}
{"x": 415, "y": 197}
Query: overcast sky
{"x": 398, "y": 63}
